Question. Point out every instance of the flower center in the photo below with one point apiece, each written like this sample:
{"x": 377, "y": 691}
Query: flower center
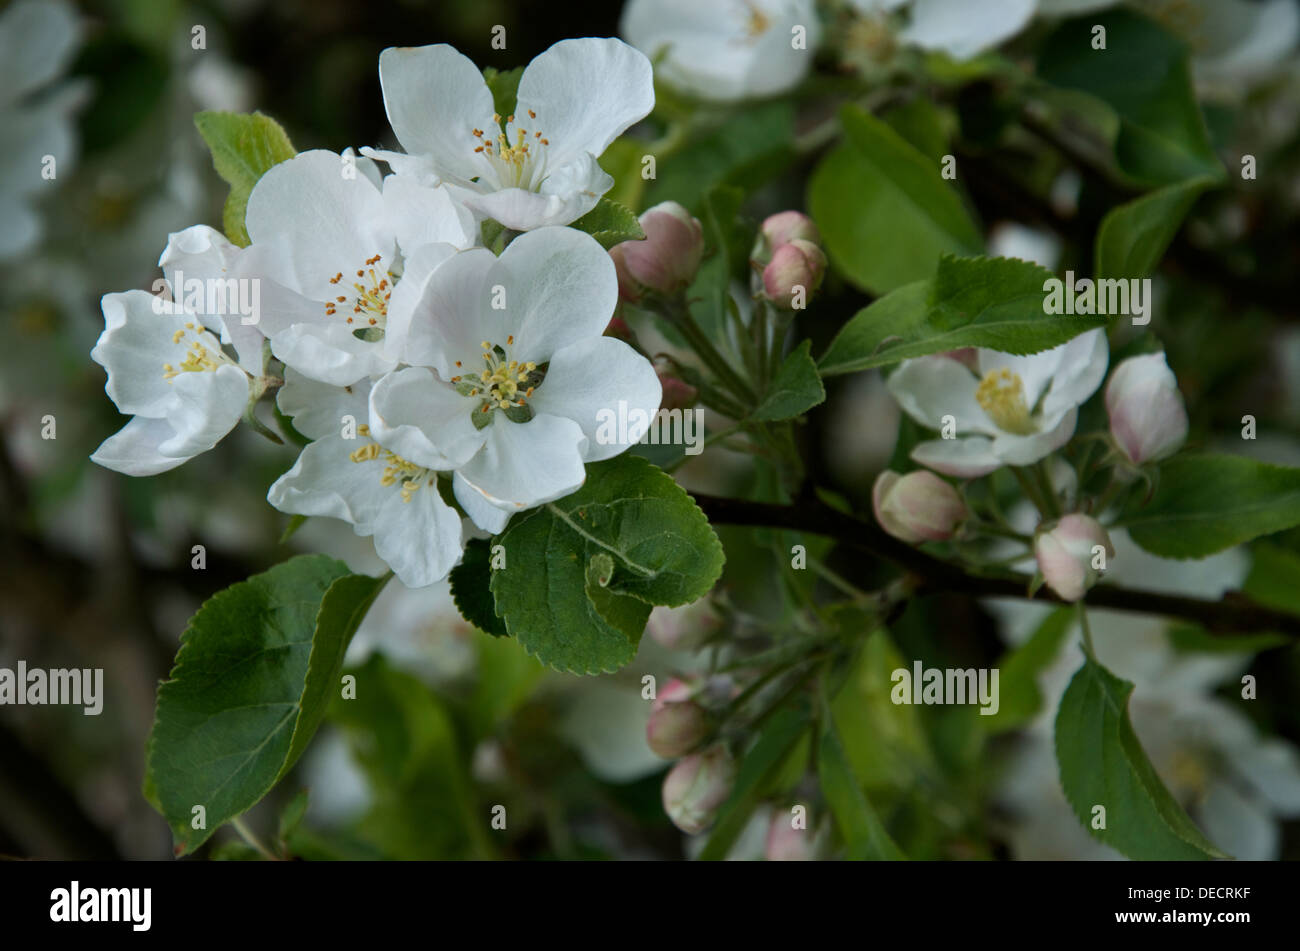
{"x": 199, "y": 357}
{"x": 368, "y": 299}
{"x": 756, "y": 21}
{"x": 513, "y": 155}
{"x": 413, "y": 477}
{"x": 1002, "y": 396}
{"x": 502, "y": 384}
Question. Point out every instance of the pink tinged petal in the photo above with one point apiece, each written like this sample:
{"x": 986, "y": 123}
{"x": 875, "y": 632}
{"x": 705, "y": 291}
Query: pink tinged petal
{"x": 561, "y": 288}
{"x": 419, "y": 538}
{"x": 596, "y": 382}
{"x": 435, "y": 98}
{"x": 1015, "y": 450}
{"x": 325, "y": 481}
{"x": 421, "y": 214}
{"x": 585, "y": 94}
{"x": 482, "y": 512}
{"x": 528, "y": 464}
{"x": 1061, "y": 569}
{"x": 1147, "y": 415}
{"x": 133, "y": 450}
{"x": 930, "y": 388}
{"x": 318, "y": 409}
{"x": 329, "y": 224}
{"x": 424, "y": 420}
{"x": 967, "y": 458}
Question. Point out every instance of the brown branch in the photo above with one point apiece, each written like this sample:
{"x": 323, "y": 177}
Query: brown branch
{"x": 1235, "y": 614}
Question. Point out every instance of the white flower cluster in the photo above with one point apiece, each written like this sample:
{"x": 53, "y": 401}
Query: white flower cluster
{"x": 421, "y": 365}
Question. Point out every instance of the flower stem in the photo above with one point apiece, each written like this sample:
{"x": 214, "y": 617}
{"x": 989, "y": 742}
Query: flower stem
{"x": 679, "y": 315}
{"x": 1087, "y": 633}
{"x": 250, "y": 837}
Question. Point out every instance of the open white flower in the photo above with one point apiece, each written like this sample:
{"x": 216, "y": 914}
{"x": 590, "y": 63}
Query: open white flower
{"x": 1015, "y": 412}
{"x": 328, "y": 249}
{"x": 510, "y": 378}
{"x": 960, "y": 28}
{"x": 171, "y": 374}
{"x": 725, "y": 50}
{"x": 345, "y": 474}
{"x": 534, "y": 168}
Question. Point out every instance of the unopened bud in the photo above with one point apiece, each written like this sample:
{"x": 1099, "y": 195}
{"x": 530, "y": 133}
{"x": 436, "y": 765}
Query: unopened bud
{"x": 1072, "y": 555}
{"x": 786, "y": 226}
{"x": 785, "y": 843}
{"x": 678, "y": 394}
{"x": 677, "y": 723}
{"x": 695, "y": 789}
{"x": 917, "y": 507}
{"x": 795, "y": 271}
{"x": 1147, "y": 416}
{"x": 667, "y": 259}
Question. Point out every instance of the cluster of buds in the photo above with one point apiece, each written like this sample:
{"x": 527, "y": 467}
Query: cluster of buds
{"x": 789, "y": 252}
{"x": 701, "y": 779}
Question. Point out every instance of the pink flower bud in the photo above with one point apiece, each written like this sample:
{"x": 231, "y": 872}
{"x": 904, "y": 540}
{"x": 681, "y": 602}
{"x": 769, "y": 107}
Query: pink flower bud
{"x": 685, "y": 628}
{"x": 797, "y": 264}
{"x": 666, "y": 261}
{"x": 1147, "y": 416}
{"x": 917, "y": 507}
{"x": 785, "y": 843}
{"x": 677, "y": 724}
{"x": 1072, "y": 555}
{"x": 695, "y": 789}
{"x": 678, "y": 394}
{"x": 786, "y": 226}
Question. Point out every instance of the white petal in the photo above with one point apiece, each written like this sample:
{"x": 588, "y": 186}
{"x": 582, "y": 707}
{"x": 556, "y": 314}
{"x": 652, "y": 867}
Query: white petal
{"x": 203, "y": 254}
{"x": 454, "y": 315}
{"x": 22, "y": 228}
{"x": 421, "y": 214}
{"x": 964, "y": 29}
{"x": 930, "y": 388}
{"x": 330, "y": 223}
{"x": 1081, "y": 368}
{"x": 488, "y": 517}
{"x": 317, "y": 409}
{"x": 325, "y": 481}
{"x": 136, "y": 342}
{"x": 1271, "y": 29}
{"x": 37, "y": 40}
{"x": 561, "y": 288}
{"x": 133, "y": 449}
{"x": 420, "y": 538}
{"x": 423, "y": 419}
{"x": 435, "y": 98}
{"x": 527, "y": 464}
{"x": 402, "y": 306}
{"x": 1239, "y": 825}
{"x": 329, "y": 353}
{"x": 585, "y": 93}
{"x": 1016, "y": 450}
{"x": 597, "y": 379}
{"x": 1272, "y": 768}
{"x": 966, "y": 458}
{"x": 205, "y": 406}
{"x": 568, "y": 193}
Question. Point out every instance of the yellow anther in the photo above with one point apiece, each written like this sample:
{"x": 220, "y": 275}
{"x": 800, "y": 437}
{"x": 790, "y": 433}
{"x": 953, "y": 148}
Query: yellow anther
{"x": 1001, "y": 394}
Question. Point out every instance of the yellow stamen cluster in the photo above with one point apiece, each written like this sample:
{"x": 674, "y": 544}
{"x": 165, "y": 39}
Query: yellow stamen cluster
{"x": 1002, "y": 395}
{"x": 395, "y": 468}
{"x": 511, "y": 147}
{"x": 504, "y": 383}
{"x": 370, "y": 300}
{"x": 198, "y": 358}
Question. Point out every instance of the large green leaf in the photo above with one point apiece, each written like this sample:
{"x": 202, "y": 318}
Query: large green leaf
{"x": 243, "y": 147}
{"x": 253, "y": 679}
{"x": 582, "y": 573}
{"x": 470, "y": 589}
{"x": 971, "y": 302}
{"x": 1205, "y": 504}
{"x": 1144, "y": 76}
{"x": 884, "y": 210}
{"x": 795, "y": 389}
{"x": 1103, "y": 764}
{"x": 1133, "y": 237}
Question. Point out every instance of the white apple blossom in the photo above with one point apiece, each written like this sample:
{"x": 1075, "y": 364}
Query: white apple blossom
{"x": 335, "y": 254}
{"x": 508, "y": 374}
{"x": 343, "y": 473}
{"x": 960, "y": 28}
{"x": 1017, "y": 410}
{"x": 533, "y": 168}
{"x": 725, "y": 50}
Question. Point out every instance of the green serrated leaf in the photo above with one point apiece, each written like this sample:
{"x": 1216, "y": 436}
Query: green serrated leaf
{"x": 995, "y": 303}
{"x": 1133, "y": 237}
{"x": 253, "y": 678}
{"x": 795, "y": 389}
{"x": 639, "y": 529}
{"x": 1203, "y": 504}
{"x": 243, "y": 147}
{"x": 610, "y": 223}
{"x": 470, "y": 588}
{"x": 1103, "y": 764}
{"x": 885, "y": 212}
